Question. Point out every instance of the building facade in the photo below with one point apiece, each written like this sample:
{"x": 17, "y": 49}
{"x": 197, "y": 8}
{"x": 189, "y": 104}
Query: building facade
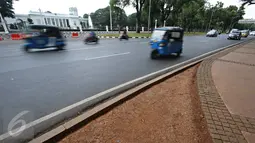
{"x": 247, "y": 21}
{"x": 63, "y": 21}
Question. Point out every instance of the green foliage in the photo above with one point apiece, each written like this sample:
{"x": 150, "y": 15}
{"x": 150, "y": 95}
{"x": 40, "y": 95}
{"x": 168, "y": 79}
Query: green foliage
{"x": 85, "y": 16}
{"x": 249, "y": 2}
{"x": 101, "y": 17}
{"x": 6, "y": 8}
{"x": 137, "y": 4}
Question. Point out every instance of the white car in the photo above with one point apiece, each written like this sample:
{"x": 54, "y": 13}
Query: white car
{"x": 252, "y": 33}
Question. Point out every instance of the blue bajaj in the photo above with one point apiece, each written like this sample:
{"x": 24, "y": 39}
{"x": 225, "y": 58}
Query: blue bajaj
{"x": 166, "y": 41}
{"x": 42, "y": 37}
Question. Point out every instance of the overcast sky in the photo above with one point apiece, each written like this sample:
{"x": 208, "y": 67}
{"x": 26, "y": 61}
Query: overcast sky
{"x": 88, "y": 6}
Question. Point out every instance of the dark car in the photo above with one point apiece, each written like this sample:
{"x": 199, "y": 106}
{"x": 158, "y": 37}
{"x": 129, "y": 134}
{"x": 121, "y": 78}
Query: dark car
{"x": 212, "y": 33}
{"x": 235, "y": 34}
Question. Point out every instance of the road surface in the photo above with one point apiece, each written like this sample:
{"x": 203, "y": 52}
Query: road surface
{"x": 46, "y": 81}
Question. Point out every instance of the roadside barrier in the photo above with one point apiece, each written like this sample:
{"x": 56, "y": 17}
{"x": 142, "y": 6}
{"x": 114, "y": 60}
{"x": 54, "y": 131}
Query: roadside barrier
{"x": 75, "y": 34}
{"x": 15, "y": 36}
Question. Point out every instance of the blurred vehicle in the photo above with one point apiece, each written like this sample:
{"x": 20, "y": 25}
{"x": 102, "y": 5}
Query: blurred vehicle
{"x": 42, "y": 36}
{"x": 212, "y": 33}
{"x": 245, "y": 33}
{"x": 252, "y": 33}
{"x": 234, "y": 34}
{"x": 124, "y": 35}
{"x": 91, "y": 38}
{"x": 166, "y": 41}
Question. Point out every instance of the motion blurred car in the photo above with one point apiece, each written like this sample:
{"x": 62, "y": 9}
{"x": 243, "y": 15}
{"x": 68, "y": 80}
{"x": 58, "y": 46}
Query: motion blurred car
{"x": 245, "y": 33}
{"x": 234, "y": 34}
{"x": 212, "y": 33}
{"x": 252, "y": 33}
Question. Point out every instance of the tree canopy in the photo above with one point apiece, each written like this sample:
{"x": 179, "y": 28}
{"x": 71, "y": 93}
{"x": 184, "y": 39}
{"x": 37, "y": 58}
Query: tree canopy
{"x": 101, "y": 17}
{"x": 192, "y": 15}
{"x": 6, "y": 8}
{"x": 85, "y": 15}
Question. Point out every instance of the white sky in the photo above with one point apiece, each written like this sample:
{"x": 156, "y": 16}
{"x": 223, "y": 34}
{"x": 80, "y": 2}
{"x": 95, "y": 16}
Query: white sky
{"x": 88, "y": 6}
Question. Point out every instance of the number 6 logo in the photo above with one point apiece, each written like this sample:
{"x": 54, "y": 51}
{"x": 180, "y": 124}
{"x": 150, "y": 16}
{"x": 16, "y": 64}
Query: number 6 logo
{"x": 14, "y": 122}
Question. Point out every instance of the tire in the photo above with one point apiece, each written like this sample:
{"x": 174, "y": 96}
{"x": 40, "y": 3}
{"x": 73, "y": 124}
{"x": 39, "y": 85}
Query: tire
{"x": 179, "y": 53}
{"x": 154, "y": 54}
{"x": 60, "y": 47}
{"x": 26, "y": 49}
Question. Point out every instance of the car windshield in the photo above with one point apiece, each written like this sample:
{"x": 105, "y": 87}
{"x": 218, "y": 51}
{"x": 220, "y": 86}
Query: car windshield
{"x": 158, "y": 34}
{"x": 212, "y": 31}
{"x": 52, "y": 32}
{"x": 234, "y": 31}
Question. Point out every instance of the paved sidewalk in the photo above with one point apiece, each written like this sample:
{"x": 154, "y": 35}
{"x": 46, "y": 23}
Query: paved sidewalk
{"x": 226, "y": 86}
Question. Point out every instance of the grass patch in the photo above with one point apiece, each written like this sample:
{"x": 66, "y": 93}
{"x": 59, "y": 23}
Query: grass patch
{"x": 147, "y": 34}
{"x": 129, "y": 34}
{"x": 194, "y": 33}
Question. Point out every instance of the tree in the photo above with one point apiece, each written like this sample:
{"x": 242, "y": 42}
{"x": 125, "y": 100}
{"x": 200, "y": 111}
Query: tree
{"x": 131, "y": 19}
{"x": 249, "y": 2}
{"x": 30, "y": 21}
{"x": 137, "y": 4}
{"x": 101, "y": 17}
{"x": 85, "y": 16}
{"x": 6, "y": 10}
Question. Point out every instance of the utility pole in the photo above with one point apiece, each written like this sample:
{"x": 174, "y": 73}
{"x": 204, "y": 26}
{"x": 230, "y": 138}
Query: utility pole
{"x": 149, "y": 17}
{"x": 110, "y": 17}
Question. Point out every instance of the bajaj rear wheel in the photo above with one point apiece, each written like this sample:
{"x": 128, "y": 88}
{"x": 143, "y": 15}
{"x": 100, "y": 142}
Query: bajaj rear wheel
{"x": 26, "y": 49}
{"x": 179, "y": 53}
{"x": 154, "y": 54}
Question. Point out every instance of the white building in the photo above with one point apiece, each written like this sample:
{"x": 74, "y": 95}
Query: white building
{"x": 247, "y": 21}
{"x": 63, "y": 21}
{"x": 73, "y": 11}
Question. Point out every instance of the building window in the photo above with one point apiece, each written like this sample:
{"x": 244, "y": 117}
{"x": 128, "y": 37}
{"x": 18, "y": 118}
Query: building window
{"x": 48, "y": 19}
{"x": 57, "y": 22}
{"x": 67, "y": 23}
{"x": 60, "y": 22}
{"x": 64, "y": 22}
{"x": 45, "y": 21}
{"x": 53, "y": 21}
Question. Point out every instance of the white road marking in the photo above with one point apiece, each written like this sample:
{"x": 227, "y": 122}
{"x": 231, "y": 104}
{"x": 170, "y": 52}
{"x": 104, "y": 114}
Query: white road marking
{"x": 107, "y": 56}
{"x": 76, "y": 49}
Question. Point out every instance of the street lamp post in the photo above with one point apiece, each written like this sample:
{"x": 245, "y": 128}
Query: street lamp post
{"x": 110, "y": 17}
{"x": 164, "y": 23}
{"x": 156, "y": 23}
{"x": 149, "y": 17}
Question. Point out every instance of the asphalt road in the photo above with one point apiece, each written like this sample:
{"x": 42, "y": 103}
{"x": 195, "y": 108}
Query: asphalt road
{"x": 46, "y": 81}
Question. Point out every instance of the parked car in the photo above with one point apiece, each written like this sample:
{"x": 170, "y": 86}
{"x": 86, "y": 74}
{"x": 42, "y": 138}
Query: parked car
{"x": 252, "y": 33}
{"x": 212, "y": 33}
{"x": 235, "y": 34}
{"x": 245, "y": 33}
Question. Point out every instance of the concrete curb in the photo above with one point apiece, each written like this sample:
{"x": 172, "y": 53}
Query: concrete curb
{"x": 113, "y": 37}
{"x": 49, "y": 121}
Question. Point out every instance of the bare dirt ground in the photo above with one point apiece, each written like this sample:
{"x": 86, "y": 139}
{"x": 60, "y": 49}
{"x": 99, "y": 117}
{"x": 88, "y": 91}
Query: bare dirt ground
{"x": 169, "y": 112}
